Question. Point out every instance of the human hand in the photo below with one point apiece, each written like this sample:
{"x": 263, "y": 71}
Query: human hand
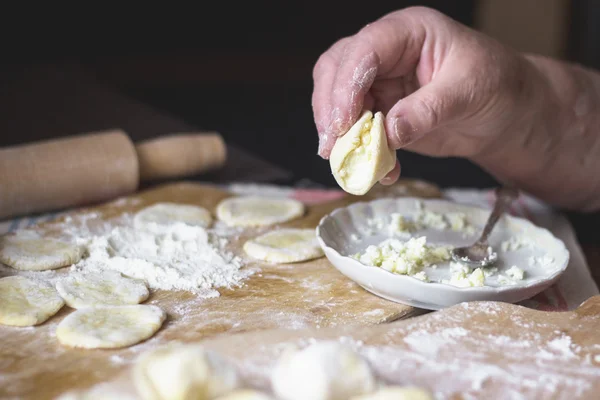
{"x": 445, "y": 89}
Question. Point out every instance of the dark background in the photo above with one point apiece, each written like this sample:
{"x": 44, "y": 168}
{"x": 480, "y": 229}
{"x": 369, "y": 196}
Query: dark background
{"x": 243, "y": 69}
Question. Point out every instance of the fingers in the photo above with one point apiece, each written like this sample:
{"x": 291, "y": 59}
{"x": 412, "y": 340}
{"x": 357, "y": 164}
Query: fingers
{"x": 389, "y": 47}
{"x": 438, "y": 103}
{"x": 324, "y": 76}
{"x": 392, "y": 176}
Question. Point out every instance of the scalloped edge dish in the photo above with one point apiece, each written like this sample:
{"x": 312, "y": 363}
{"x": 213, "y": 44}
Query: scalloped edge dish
{"x": 335, "y": 230}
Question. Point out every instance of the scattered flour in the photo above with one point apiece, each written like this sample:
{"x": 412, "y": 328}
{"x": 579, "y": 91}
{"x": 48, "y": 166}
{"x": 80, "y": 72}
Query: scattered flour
{"x": 175, "y": 257}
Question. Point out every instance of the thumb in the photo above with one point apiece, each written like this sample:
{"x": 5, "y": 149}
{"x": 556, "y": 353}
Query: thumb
{"x": 432, "y": 106}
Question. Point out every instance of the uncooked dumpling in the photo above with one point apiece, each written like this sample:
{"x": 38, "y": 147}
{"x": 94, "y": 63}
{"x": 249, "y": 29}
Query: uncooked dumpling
{"x": 361, "y": 157}
{"x": 322, "y": 371}
{"x": 397, "y": 393}
{"x": 183, "y": 372}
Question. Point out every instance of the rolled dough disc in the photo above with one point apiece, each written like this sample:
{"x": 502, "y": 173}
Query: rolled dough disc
{"x": 170, "y": 213}
{"x": 110, "y": 327}
{"x": 245, "y": 394}
{"x": 27, "y": 302}
{"x": 37, "y": 254}
{"x": 247, "y": 211}
{"x": 108, "y": 288}
{"x": 285, "y": 246}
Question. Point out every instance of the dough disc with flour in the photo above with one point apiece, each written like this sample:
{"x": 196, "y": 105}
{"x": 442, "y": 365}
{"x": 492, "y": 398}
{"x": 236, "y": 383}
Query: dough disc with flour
{"x": 247, "y": 211}
{"x": 183, "y": 372}
{"x": 26, "y": 302}
{"x": 397, "y": 393}
{"x": 110, "y": 327}
{"x": 285, "y": 246}
{"x": 361, "y": 157}
{"x": 170, "y": 213}
{"x": 245, "y": 394}
{"x": 322, "y": 371}
{"x": 107, "y": 288}
{"x": 37, "y": 254}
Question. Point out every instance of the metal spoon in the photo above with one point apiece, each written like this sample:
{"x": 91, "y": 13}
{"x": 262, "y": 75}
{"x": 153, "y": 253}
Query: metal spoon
{"x": 480, "y": 254}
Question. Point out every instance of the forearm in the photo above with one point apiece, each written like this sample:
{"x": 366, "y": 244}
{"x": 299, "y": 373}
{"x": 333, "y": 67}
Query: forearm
{"x": 553, "y": 149}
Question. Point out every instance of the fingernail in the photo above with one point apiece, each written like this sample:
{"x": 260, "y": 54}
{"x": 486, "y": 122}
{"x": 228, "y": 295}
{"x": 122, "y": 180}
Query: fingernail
{"x": 335, "y": 122}
{"x": 402, "y": 132}
{"x": 386, "y": 180}
{"x": 323, "y": 142}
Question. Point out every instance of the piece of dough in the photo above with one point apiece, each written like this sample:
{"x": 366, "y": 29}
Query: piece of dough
{"x": 245, "y": 394}
{"x": 285, "y": 246}
{"x": 183, "y": 372}
{"x": 258, "y": 211}
{"x": 108, "y": 288}
{"x": 170, "y": 213}
{"x": 361, "y": 157}
{"x": 110, "y": 327}
{"x": 397, "y": 393}
{"x": 32, "y": 253}
{"x": 322, "y": 371}
{"x": 26, "y": 302}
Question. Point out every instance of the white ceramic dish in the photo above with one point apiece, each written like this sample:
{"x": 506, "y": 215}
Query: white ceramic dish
{"x": 346, "y": 231}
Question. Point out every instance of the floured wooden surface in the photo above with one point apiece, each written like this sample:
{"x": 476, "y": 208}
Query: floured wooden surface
{"x": 479, "y": 350}
{"x": 311, "y": 294}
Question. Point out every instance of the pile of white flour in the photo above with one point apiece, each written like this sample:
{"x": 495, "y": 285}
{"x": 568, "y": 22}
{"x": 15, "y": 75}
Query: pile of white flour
{"x": 173, "y": 257}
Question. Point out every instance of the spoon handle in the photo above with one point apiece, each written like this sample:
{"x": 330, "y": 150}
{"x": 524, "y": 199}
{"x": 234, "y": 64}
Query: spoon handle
{"x": 504, "y": 197}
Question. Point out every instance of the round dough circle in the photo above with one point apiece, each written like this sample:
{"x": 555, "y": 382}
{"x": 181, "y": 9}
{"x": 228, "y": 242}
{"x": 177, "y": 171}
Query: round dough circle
{"x": 37, "y": 254}
{"x": 170, "y": 213}
{"x": 110, "y": 327}
{"x": 245, "y": 394}
{"x": 245, "y": 211}
{"x": 285, "y": 246}
{"x": 26, "y": 302}
{"x": 183, "y": 371}
{"x": 322, "y": 371}
{"x": 397, "y": 393}
{"x": 108, "y": 288}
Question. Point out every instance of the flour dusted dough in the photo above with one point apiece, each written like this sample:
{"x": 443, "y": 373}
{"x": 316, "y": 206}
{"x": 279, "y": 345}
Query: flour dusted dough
{"x": 108, "y": 288}
{"x": 258, "y": 211}
{"x": 362, "y": 157}
{"x": 285, "y": 246}
{"x": 397, "y": 393}
{"x": 245, "y": 394}
{"x": 183, "y": 372}
{"x": 26, "y": 302}
{"x": 110, "y": 327}
{"x": 322, "y": 371}
{"x": 32, "y": 253}
{"x": 169, "y": 213}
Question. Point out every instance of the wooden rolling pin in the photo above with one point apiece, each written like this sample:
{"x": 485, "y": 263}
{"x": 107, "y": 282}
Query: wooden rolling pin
{"x": 96, "y": 167}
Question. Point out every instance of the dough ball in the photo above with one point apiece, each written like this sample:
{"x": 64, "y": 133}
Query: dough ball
{"x": 110, "y": 327}
{"x": 245, "y": 394}
{"x": 322, "y": 371}
{"x": 244, "y": 211}
{"x": 32, "y": 253}
{"x": 170, "y": 213}
{"x": 361, "y": 157}
{"x": 108, "y": 288}
{"x": 183, "y": 372}
{"x": 397, "y": 393}
{"x": 26, "y": 302}
{"x": 285, "y": 246}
